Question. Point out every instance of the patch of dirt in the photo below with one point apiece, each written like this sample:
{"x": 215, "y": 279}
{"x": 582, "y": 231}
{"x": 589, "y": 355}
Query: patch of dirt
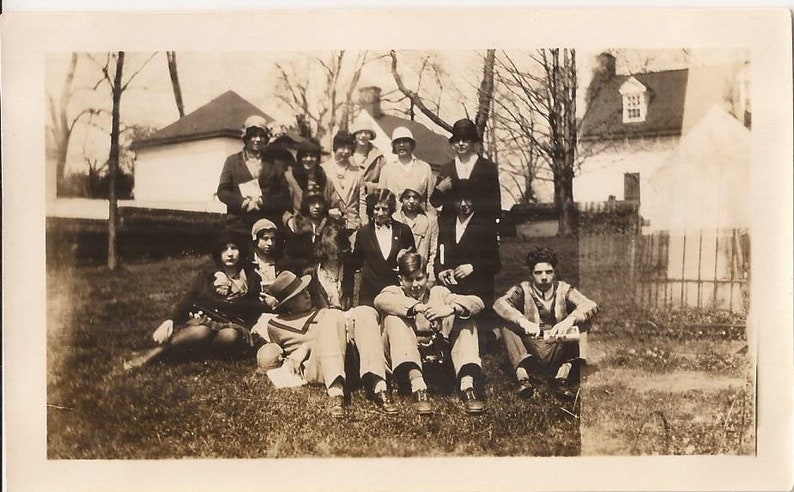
{"x": 673, "y": 381}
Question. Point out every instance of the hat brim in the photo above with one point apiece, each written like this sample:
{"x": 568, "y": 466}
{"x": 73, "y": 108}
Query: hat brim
{"x": 457, "y": 138}
{"x": 305, "y": 280}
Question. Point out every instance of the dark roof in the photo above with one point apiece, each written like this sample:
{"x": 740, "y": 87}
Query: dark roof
{"x": 222, "y": 117}
{"x": 430, "y": 146}
{"x": 604, "y": 116}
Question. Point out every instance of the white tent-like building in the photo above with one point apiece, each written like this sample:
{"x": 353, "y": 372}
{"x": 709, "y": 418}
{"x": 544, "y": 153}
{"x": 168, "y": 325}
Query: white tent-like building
{"x": 704, "y": 183}
{"x": 695, "y": 250}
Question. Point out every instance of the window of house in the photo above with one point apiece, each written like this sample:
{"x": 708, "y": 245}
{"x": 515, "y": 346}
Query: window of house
{"x": 633, "y": 108}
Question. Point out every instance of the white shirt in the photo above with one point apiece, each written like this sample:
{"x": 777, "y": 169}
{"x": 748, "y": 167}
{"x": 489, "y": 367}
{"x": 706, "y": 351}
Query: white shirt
{"x": 464, "y": 168}
{"x": 460, "y": 227}
{"x": 383, "y": 233}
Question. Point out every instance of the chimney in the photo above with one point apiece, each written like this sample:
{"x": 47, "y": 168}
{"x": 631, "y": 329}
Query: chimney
{"x": 606, "y": 65}
{"x": 369, "y": 99}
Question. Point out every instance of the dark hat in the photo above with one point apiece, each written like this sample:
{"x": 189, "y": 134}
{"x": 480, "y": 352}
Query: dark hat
{"x": 464, "y": 130}
{"x": 343, "y": 138}
{"x": 310, "y": 146}
{"x": 287, "y": 285}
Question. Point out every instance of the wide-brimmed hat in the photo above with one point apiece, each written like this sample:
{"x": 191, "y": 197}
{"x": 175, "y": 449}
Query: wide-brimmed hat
{"x": 262, "y": 225}
{"x": 464, "y": 129}
{"x": 363, "y": 126}
{"x": 287, "y": 285}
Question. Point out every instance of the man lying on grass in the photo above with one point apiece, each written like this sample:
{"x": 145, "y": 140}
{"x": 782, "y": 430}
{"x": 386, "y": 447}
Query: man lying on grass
{"x": 412, "y": 314}
{"x": 542, "y": 339}
{"x": 311, "y": 342}
{"x": 214, "y": 317}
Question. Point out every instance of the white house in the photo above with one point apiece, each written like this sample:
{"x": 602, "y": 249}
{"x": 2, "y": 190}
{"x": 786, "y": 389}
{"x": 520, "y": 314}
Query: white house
{"x": 633, "y": 123}
{"x": 178, "y": 166}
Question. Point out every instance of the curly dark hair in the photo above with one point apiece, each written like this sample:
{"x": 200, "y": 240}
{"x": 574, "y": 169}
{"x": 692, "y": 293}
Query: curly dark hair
{"x": 381, "y": 195}
{"x": 542, "y": 255}
{"x": 410, "y": 262}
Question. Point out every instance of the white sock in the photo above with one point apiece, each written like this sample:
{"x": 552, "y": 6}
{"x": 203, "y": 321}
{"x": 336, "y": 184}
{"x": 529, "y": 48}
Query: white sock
{"x": 521, "y": 374}
{"x": 336, "y": 389}
{"x": 418, "y": 384}
{"x": 583, "y": 345}
{"x": 562, "y": 372}
{"x": 466, "y": 382}
{"x": 379, "y": 386}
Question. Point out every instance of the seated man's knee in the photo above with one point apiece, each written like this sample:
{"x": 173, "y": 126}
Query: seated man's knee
{"x": 269, "y": 356}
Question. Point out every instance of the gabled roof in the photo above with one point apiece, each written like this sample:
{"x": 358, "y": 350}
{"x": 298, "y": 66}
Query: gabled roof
{"x": 222, "y": 117}
{"x": 604, "y": 116}
{"x": 430, "y": 146}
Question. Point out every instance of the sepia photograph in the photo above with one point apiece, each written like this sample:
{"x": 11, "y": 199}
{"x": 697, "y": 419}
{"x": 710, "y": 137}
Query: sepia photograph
{"x": 494, "y": 253}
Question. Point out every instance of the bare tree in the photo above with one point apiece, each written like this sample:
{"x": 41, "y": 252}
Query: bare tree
{"x": 61, "y": 124}
{"x": 174, "y": 73}
{"x": 540, "y": 101}
{"x": 113, "y": 70}
{"x": 484, "y": 94}
{"x": 326, "y": 107}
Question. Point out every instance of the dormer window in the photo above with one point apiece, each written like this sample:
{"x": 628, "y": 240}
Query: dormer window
{"x": 635, "y": 101}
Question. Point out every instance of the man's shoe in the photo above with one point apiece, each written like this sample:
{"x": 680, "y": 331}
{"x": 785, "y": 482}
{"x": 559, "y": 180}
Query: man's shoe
{"x": 525, "y": 389}
{"x": 421, "y": 403}
{"x": 384, "y": 401}
{"x": 471, "y": 403}
{"x": 561, "y": 390}
{"x": 337, "y": 408}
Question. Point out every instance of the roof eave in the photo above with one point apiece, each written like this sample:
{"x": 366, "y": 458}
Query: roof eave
{"x": 156, "y": 142}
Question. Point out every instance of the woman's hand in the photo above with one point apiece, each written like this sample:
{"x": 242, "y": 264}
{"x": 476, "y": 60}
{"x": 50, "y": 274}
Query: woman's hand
{"x": 445, "y": 184}
{"x": 447, "y": 277}
{"x": 463, "y": 271}
{"x": 163, "y": 332}
{"x": 335, "y": 214}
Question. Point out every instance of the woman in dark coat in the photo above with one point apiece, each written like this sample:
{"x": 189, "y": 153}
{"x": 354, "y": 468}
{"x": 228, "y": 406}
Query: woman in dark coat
{"x": 215, "y": 314}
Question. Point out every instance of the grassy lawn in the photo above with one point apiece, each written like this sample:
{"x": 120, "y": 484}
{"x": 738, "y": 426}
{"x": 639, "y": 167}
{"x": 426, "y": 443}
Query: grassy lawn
{"x": 229, "y": 409}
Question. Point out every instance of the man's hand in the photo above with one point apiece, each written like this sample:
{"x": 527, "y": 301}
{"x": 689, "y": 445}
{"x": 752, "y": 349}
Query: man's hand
{"x": 530, "y": 328}
{"x": 433, "y": 313}
{"x": 163, "y": 332}
{"x": 560, "y": 329}
{"x": 463, "y": 271}
{"x": 445, "y": 184}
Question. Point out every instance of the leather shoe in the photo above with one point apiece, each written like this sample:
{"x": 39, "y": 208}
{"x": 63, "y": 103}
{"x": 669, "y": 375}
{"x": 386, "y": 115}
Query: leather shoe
{"x": 525, "y": 388}
{"x": 471, "y": 403}
{"x": 384, "y": 401}
{"x": 561, "y": 389}
{"x": 421, "y": 403}
{"x": 337, "y": 408}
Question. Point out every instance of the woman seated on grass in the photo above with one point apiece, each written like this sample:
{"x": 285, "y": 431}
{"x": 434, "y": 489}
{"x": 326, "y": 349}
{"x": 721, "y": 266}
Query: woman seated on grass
{"x": 214, "y": 316}
{"x": 305, "y": 340}
{"x": 541, "y": 314}
{"x": 332, "y": 287}
{"x": 412, "y": 314}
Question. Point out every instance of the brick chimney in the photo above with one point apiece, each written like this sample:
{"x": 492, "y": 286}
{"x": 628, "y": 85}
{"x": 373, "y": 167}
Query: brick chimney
{"x": 606, "y": 65}
{"x": 369, "y": 99}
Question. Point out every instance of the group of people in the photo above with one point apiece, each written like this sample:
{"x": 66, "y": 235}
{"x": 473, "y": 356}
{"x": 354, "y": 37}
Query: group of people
{"x": 372, "y": 256}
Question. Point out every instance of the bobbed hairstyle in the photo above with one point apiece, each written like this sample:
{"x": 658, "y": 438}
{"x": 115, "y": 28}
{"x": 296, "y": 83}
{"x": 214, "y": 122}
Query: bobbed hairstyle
{"x": 409, "y": 263}
{"x": 310, "y": 199}
{"x": 381, "y": 195}
{"x": 334, "y": 239}
{"x": 542, "y": 255}
{"x": 240, "y": 239}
